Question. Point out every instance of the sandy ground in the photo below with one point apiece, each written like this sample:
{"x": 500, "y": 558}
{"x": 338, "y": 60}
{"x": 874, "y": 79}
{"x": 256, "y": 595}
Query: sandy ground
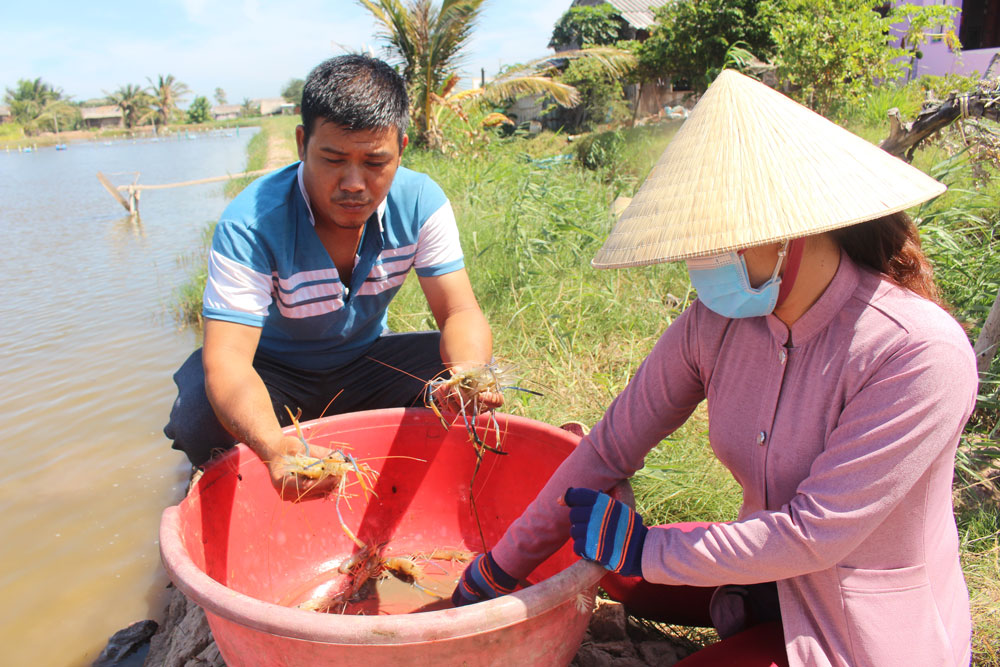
{"x": 278, "y": 153}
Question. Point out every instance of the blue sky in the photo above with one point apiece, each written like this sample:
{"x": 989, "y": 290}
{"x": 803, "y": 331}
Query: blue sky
{"x": 249, "y": 48}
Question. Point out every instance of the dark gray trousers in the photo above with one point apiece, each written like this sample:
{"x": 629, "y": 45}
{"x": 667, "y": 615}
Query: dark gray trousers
{"x": 362, "y": 384}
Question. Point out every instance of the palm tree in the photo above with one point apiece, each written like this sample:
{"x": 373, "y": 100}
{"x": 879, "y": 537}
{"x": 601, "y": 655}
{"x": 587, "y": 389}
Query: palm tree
{"x": 249, "y": 109}
{"x": 58, "y": 111}
{"x": 32, "y": 102}
{"x": 134, "y": 103}
{"x": 426, "y": 42}
{"x": 165, "y": 93}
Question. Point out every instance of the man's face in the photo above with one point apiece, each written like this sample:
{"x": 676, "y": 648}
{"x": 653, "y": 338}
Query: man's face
{"x": 347, "y": 173}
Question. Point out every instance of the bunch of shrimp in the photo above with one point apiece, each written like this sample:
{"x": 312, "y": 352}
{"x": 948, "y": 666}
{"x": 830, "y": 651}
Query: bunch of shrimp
{"x": 337, "y": 464}
{"x": 466, "y": 387}
{"x": 364, "y": 569}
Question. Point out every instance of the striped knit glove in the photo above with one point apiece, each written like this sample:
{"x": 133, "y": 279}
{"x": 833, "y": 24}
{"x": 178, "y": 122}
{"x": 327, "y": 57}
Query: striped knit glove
{"x": 482, "y": 580}
{"x": 606, "y": 531}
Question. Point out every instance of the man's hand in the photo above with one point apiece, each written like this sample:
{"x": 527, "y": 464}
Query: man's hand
{"x": 606, "y": 531}
{"x": 452, "y": 398}
{"x": 292, "y": 486}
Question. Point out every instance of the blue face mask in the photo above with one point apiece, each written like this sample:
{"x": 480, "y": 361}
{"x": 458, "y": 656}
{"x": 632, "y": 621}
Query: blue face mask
{"x": 723, "y": 285}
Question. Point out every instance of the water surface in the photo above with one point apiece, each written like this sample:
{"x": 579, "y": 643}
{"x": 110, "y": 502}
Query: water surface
{"x": 87, "y": 349}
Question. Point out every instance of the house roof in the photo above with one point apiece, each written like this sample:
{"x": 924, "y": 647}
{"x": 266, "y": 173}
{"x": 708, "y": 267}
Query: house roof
{"x": 93, "y": 113}
{"x": 222, "y": 109}
{"x": 638, "y": 13}
{"x": 269, "y": 105}
{"x": 4, "y": 111}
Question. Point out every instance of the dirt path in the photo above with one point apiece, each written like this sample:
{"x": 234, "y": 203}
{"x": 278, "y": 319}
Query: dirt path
{"x": 279, "y": 152}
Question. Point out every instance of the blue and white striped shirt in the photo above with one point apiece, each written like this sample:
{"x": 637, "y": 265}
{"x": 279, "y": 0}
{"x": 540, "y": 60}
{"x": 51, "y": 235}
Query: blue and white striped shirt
{"x": 267, "y": 267}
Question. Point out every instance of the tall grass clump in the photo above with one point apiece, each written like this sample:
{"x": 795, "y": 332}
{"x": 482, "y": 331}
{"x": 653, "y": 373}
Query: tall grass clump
{"x": 872, "y": 110}
{"x": 188, "y": 297}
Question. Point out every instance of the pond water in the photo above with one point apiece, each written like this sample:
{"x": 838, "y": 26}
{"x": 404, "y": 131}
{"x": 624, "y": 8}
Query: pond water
{"x": 88, "y": 344}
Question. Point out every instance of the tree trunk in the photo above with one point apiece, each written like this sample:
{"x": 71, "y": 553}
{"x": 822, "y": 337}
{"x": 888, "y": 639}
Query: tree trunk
{"x": 638, "y": 99}
{"x": 989, "y": 337}
{"x": 903, "y": 138}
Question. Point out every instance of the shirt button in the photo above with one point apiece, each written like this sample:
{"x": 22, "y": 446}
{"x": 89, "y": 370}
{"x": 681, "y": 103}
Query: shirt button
{"x": 761, "y": 438}
{"x": 782, "y": 357}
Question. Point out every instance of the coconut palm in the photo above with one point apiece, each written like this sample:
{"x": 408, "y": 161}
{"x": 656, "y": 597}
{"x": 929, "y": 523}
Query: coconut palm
{"x": 134, "y": 103}
{"x": 165, "y": 93}
{"x": 537, "y": 77}
{"x": 426, "y": 41}
{"x": 34, "y": 101}
{"x": 60, "y": 113}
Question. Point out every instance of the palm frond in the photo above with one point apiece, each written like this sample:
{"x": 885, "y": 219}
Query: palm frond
{"x": 615, "y": 62}
{"x": 508, "y": 88}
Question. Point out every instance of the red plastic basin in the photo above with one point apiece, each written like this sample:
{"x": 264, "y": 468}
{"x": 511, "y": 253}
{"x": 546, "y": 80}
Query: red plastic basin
{"x": 236, "y": 549}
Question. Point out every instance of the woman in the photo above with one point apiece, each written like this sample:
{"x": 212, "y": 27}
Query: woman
{"x": 837, "y": 390}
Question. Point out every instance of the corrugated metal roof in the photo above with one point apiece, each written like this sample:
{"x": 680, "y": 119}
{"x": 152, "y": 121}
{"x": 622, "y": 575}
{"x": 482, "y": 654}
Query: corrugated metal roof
{"x": 638, "y": 13}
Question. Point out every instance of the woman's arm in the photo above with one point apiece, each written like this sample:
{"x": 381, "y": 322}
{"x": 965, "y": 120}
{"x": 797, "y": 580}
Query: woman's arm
{"x": 664, "y": 392}
{"x": 905, "y": 419}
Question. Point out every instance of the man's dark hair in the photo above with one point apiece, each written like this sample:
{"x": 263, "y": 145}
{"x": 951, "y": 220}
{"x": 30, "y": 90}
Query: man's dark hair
{"x": 355, "y": 92}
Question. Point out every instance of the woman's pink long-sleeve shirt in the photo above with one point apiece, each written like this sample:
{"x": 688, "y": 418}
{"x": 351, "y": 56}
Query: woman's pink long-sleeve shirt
{"x": 842, "y": 434}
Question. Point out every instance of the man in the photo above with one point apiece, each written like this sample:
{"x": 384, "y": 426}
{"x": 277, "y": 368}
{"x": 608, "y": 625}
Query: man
{"x": 303, "y": 265}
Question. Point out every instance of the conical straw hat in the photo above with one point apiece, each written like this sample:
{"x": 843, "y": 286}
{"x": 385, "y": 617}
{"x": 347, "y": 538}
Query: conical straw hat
{"x": 750, "y": 166}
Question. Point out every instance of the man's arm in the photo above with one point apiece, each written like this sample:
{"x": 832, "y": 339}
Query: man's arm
{"x": 466, "y": 338}
{"x": 243, "y": 405}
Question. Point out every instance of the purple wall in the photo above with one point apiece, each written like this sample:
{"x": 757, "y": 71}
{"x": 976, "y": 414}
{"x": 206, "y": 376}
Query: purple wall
{"x": 939, "y": 60}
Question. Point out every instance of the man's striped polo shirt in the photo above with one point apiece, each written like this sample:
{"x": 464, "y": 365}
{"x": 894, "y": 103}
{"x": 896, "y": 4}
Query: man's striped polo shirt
{"x": 267, "y": 267}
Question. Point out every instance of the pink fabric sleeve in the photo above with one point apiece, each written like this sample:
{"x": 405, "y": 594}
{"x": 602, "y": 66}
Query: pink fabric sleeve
{"x": 906, "y": 418}
{"x": 649, "y": 409}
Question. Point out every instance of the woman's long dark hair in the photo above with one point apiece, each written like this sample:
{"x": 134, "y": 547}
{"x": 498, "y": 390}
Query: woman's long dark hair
{"x": 891, "y": 245}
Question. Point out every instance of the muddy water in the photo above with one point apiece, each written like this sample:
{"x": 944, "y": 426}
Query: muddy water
{"x": 428, "y": 586}
{"x": 87, "y": 348}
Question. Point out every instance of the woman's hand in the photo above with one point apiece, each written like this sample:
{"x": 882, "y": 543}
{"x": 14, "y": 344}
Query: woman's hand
{"x": 482, "y": 580}
{"x": 606, "y": 531}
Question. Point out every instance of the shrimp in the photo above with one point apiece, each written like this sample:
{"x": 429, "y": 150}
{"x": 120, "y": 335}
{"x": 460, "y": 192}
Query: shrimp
{"x": 453, "y": 555}
{"x": 336, "y": 464}
{"x": 363, "y": 569}
{"x": 467, "y": 385}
